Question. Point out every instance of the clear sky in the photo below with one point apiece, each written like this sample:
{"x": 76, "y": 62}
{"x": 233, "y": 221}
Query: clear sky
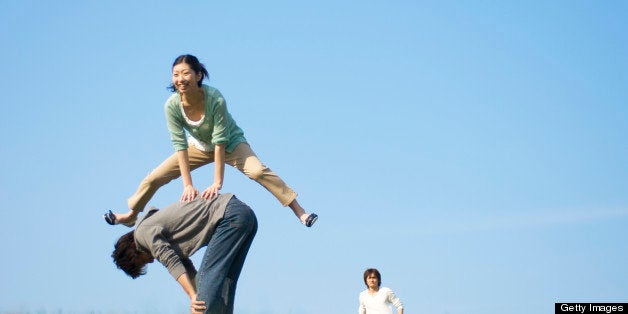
{"x": 474, "y": 152}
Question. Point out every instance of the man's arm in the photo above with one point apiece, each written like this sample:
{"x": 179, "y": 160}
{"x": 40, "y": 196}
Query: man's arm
{"x": 190, "y": 289}
{"x": 362, "y": 308}
{"x": 392, "y": 298}
{"x": 181, "y": 269}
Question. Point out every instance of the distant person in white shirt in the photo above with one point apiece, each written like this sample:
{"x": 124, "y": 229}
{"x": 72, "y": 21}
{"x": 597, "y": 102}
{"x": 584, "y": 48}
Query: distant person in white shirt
{"x": 376, "y": 299}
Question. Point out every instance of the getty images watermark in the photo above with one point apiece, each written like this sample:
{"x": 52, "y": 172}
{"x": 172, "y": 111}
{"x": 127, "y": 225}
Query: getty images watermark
{"x": 584, "y": 308}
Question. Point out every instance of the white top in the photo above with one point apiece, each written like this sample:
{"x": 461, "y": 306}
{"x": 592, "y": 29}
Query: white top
{"x": 378, "y": 303}
{"x": 191, "y": 139}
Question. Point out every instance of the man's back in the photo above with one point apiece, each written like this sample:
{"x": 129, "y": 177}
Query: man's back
{"x": 180, "y": 229}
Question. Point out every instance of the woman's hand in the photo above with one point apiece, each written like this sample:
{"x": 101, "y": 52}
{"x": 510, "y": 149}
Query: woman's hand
{"x": 197, "y": 306}
{"x": 189, "y": 193}
{"x": 211, "y": 191}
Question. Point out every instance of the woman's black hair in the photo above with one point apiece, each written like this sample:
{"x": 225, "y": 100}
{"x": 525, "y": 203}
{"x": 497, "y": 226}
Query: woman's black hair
{"x": 196, "y": 65}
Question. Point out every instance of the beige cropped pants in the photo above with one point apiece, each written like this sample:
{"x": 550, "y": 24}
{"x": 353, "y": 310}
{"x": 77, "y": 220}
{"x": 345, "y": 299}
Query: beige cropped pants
{"x": 242, "y": 158}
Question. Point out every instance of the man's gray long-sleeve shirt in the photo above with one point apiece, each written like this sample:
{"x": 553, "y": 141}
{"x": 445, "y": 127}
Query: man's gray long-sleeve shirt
{"x": 173, "y": 234}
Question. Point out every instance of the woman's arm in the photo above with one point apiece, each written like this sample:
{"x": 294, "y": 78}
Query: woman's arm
{"x": 219, "y": 172}
{"x": 190, "y": 289}
{"x": 219, "y": 165}
{"x": 189, "y": 192}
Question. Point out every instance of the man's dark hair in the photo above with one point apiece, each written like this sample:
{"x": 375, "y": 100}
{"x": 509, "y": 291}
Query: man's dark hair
{"x": 127, "y": 257}
{"x": 374, "y": 272}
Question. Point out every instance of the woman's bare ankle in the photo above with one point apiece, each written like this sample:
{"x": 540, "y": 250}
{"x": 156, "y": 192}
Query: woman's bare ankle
{"x": 127, "y": 217}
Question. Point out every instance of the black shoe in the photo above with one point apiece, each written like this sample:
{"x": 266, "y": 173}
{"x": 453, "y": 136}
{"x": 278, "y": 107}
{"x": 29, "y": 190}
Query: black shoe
{"x": 110, "y": 218}
{"x": 310, "y": 220}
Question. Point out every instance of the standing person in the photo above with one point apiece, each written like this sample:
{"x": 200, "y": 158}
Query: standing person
{"x": 376, "y": 299}
{"x": 224, "y": 224}
{"x": 214, "y": 136}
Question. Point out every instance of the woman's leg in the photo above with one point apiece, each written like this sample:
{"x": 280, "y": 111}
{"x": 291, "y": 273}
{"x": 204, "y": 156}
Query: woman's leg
{"x": 167, "y": 171}
{"x": 244, "y": 159}
{"x": 218, "y": 274}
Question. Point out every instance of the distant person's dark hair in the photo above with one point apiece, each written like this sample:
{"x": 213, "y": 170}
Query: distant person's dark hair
{"x": 127, "y": 257}
{"x": 196, "y": 66}
{"x": 373, "y": 271}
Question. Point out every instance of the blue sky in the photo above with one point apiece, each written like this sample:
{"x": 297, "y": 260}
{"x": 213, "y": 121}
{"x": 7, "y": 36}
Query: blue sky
{"x": 474, "y": 152}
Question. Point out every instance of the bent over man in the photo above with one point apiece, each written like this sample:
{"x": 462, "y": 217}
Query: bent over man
{"x": 224, "y": 224}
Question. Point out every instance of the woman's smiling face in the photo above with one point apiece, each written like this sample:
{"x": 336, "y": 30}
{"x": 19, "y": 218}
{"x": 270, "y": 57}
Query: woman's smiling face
{"x": 184, "y": 78}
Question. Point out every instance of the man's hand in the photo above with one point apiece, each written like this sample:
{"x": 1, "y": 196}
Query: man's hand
{"x": 197, "y": 307}
{"x": 188, "y": 286}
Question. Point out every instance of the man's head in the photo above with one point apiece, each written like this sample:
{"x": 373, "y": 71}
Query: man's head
{"x": 128, "y": 258}
{"x": 372, "y": 278}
